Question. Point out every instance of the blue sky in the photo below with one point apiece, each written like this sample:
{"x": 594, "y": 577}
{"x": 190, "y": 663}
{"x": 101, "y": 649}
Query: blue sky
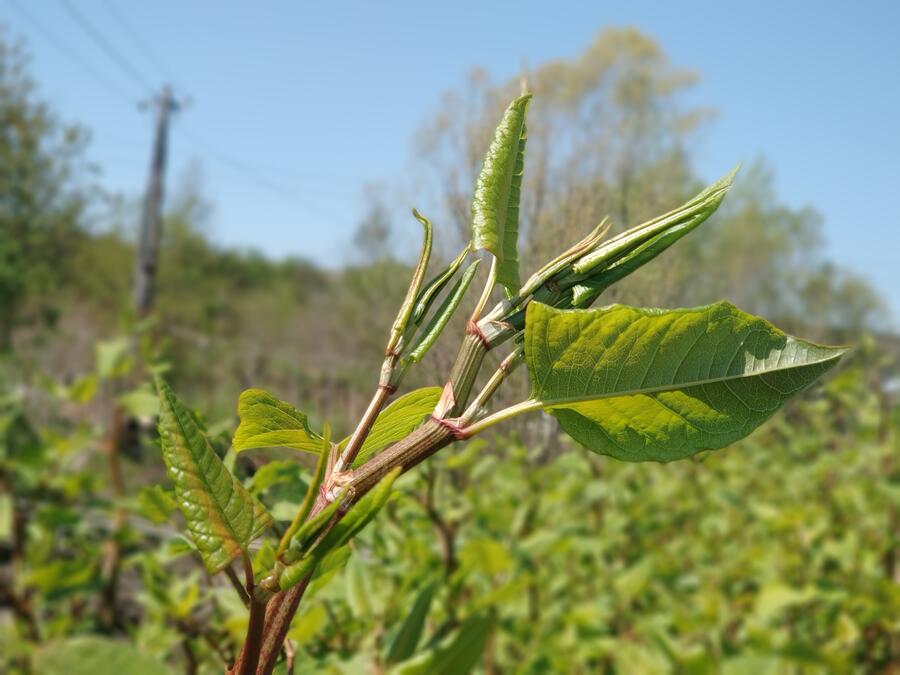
{"x": 314, "y": 100}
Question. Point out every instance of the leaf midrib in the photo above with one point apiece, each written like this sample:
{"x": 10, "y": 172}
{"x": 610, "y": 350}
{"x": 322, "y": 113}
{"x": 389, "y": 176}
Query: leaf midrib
{"x": 556, "y": 402}
{"x": 209, "y": 487}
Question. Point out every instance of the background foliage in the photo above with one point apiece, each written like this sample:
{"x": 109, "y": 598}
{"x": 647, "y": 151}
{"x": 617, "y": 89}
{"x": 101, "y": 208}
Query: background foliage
{"x": 777, "y": 554}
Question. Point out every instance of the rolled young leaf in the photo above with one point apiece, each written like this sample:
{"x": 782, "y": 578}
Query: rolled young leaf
{"x": 415, "y": 284}
{"x": 222, "y": 517}
{"x": 650, "y": 384}
{"x": 685, "y": 218}
{"x": 432, "y": 289}
{"x": 267, "y": 422}
{"x": 495, "y": 205}
{"x": 442, "y": 315}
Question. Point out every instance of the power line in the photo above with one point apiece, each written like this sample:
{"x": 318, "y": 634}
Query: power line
{"x": 102, "y": 42}
{"x": 254, "y": 176}
{"x": 138, "y": 40}
{"x": 71, "y": 53}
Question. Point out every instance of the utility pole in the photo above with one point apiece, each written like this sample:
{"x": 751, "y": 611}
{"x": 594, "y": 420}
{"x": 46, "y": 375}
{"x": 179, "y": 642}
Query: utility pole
{"x": 151, "y": 218}
{"x": 144, "y": 291}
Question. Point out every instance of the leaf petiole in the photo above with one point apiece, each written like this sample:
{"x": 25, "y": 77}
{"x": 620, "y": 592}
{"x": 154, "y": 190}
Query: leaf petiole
{"x": 527, "y": 406}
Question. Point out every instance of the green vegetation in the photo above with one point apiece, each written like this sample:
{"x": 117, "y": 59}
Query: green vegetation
{"x": 517, "y": 551}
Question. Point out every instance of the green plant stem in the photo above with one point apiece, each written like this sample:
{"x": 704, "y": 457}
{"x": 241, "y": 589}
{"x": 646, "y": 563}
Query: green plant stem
{"x": 486, "y": 293}
{"x": 310, "y": 498}
{"x": 462, "y": 375}
{"x": 253, "y": 642}
{"x": 527, "y": 406}
{"x": 422, "y": 443}
{"x": 238, "y": 587}
{"x": 507, "y": 366}
{"x": 363, "y": 427}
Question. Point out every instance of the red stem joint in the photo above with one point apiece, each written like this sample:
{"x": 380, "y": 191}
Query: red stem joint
{"x": 455, "y": 430}
{"x": 473, "y": 329}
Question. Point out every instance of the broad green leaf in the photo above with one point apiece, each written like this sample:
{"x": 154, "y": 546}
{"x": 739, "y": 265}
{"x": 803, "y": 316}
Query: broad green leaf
{"x": 407, "y": 638}
{"x": 495, "y": 206}
{"x": 650, "y": 384}
{"x": 457, "y": 654}
{"x": 397, "y": 421}
{"x": 223, "y": 518}
{"x": 267, "y": 422}
{"x": 92, "y": 655}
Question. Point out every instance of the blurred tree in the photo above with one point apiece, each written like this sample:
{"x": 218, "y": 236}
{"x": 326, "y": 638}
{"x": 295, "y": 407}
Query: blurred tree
{"x": 42, "y": 193}
{"x": 610, "y": 135}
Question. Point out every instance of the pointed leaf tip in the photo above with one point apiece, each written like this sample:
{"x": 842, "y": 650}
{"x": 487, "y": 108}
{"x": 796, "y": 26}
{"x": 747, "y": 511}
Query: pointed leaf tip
{"x": 495, "y": 205}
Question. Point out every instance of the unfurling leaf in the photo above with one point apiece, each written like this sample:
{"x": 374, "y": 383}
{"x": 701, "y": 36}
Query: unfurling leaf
{"x": 223, "y": 518}
{"x": 432, "y": 289}
{"x": 442, "y": 315}
{"x": 267, "y": 422}
{"x": 398, "y": 420}
{"x": 415, "y": 285}
{"x": 626, "y": 252}
{"x": 687, "y": 216}
{"x": 495, "y": 206}
{"x": 650, "y": 384}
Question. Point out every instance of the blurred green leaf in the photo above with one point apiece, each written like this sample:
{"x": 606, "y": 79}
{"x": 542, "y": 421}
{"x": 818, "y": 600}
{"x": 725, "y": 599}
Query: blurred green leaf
{"x": 156, "y": 504}
{"x": 408, "y": 636}
{"x": 486, "y": 555}
{"x": 140, "y": 402}
{"x": 94, "y": 655}
{"x": 358, "y": 588}
{"x": 112, "y": 357}
{"x": 456, "y": 654}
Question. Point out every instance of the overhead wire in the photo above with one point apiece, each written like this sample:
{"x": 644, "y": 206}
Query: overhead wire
{"x": 72, "y": 54}
{"x": 138, "y": 40}
{"x": 98, "y": 38}
{"x": 254, "y": 176}
{"x": 210, "y": 150}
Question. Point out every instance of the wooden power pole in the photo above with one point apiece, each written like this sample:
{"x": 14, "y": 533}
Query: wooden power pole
{"x": 151, "y": 217}
{"x": 144, "y": 291}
